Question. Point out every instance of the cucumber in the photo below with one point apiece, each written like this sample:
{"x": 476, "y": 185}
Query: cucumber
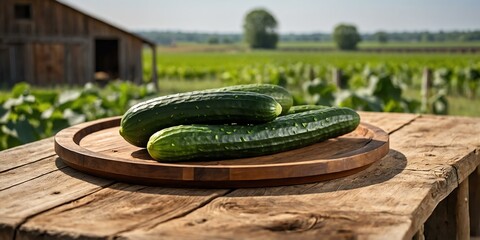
{"x": 280, "y": 94}
{"x": 145, "y": 118}
{"x": 208, "y": 142}
{"x": 304, "y": 108}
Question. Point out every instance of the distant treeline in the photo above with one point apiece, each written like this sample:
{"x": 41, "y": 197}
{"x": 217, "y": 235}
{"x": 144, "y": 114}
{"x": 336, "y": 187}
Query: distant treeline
{"x": 441, "y": 36}
{"x": 171, "y": 37}
{"x": 168, "y": 38}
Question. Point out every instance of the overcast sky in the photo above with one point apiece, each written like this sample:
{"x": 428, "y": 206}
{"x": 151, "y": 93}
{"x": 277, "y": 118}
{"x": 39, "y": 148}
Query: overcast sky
{"x": 293, "y": 16}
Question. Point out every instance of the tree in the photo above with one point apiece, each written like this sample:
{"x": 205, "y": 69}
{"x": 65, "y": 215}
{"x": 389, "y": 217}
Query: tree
{"x": 381, "y": 37}
{"x": 260, "y": 29}
{"x": 346, "y": 37}
{"x": 213, "y": 40}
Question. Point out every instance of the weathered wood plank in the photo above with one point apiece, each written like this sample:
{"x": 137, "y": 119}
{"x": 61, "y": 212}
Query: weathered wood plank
{"x": 115, "y": 209}
{"x": 372, "y": 196}
{"x": 278, "y": 208}
{"x": 294, "y": 224}
{"x": 388, "y": 122}
{"x": 461, "y": 214}
{"x": 29, "y": 171}
{"x": 421, "y": 172}
{"x": 441, "y": 224}
{"x": 414, "y": 177}
{"x": 442, "y": 141}
{"x": 42, "y": 193}
{"x": 25, "y": 154}
{"x": 474, "y": 194}
{"x": 420, "y": 234}
{"x": 450, "y": 219}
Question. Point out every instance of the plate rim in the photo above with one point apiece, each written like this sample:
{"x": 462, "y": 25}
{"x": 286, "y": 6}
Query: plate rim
{"x": 67, "y": 144}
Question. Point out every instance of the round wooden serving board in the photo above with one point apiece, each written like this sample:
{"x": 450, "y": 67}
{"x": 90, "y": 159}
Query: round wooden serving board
{"x": 97, "y": 148}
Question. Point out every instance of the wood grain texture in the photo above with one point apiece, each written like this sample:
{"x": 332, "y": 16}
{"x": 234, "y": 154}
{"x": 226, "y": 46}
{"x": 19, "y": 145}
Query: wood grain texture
{"x": 408, "y": 183}
{"x": 388, "y": 122}
{"x": 393, "y": 197}
{"x": 25, "y": 154}
{"x": 474, "y": 197}
{"x": 420, "y": 234}
{"x": 441, "y": 224}
{"x": 442, "y": 142}
{"x": 448, "y": 151}
{"x": 28, "y": 172}
{"x": 370, "y": 198}
{"x": 97, "y": 148}
{"x": 288, "y": 224}
{"x": 42, "y": 193}
{"x": 43, "y": 41}
{"x": 115, "y": 209}
{"x": 462, "y": 214}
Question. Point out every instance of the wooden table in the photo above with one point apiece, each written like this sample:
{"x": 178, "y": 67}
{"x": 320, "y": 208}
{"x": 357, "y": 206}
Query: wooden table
{"x": 420, "y": 189}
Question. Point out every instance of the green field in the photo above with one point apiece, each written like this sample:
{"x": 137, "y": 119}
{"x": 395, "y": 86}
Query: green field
{"x": 237, "y": 59}
{"x": 374, "y": 82}
{"x": 179, "y": 71}
{"x": 240, "y": 46}
{"x": 370, "y": 44}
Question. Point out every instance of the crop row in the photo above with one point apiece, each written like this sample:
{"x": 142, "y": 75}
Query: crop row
{"x": 28, "y": 115}
{"x": 456, "y": 80}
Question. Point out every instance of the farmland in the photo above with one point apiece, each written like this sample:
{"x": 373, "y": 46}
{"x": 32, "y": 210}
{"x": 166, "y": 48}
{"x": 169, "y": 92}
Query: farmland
{"x": 372, "y": 44}
{"x": 455, "y": 75}
{"x": 313, "y": 45}
{"x": 373, "y": 82}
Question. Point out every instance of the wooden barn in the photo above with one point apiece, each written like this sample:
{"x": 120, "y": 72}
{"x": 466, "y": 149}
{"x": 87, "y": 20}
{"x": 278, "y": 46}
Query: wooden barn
{"x": 46, "y": 42}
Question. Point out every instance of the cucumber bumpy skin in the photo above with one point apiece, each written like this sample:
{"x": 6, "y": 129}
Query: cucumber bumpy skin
{"x": 145, "y": 118}
{"x": 209, "y": 142}
{"x": 280, "y": 94}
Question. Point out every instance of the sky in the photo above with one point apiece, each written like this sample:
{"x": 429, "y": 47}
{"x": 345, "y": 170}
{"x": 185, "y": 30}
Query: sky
{"x": 293, "y": 16}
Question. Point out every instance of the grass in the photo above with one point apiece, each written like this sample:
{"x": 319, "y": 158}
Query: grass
{"x": 242, "y": 47}
{"x": 372, "y": 44}
{"x": 202, "y": 47}
{"x": 224, "y": 61}
{"x": 418, "y": 44}
{"x": 236, "y": 59}
{"x": 221, "y": 60}
{"x": 458, "y": 106}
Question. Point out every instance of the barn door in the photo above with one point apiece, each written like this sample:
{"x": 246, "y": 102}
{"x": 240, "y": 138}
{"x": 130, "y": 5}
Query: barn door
{"x": 49, "y": 63}
{"x": 106, "y": 59}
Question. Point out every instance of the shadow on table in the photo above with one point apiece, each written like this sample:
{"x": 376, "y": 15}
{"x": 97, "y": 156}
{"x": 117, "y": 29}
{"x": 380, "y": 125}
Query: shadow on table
{"x": 109, "y": 184}
{"x": 60, "y": 164}
{"x": 383, "y": 170}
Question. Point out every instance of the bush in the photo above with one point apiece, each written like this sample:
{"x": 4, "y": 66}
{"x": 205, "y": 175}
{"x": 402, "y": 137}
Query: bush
{"x": 260, "y": 29}
{"x": 346, "y": 37}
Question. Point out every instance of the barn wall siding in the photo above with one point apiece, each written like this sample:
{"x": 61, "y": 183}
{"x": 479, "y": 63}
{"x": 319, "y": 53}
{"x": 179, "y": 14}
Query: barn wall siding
{"x": 57, "y": 45}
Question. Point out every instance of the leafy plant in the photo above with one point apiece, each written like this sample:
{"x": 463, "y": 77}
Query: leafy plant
{"x": 30, "y": 115}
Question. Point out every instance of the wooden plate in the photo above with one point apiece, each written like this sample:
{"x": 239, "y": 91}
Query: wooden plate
{"x": 97, "y": 148}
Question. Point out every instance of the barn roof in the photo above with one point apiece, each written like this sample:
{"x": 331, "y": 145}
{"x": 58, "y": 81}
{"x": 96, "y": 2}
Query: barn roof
{"x": 145, "y": 40}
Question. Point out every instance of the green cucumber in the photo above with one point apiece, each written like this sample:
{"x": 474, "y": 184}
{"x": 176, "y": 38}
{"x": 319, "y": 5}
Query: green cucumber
{"x": 280, "y": 94}
{"x": 145, "y": 118}
{"x": 208, "y": 142}
{"x": 304, "y": 108}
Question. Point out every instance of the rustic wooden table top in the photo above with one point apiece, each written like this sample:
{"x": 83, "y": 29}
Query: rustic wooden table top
{"x": 40, "y": 197}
